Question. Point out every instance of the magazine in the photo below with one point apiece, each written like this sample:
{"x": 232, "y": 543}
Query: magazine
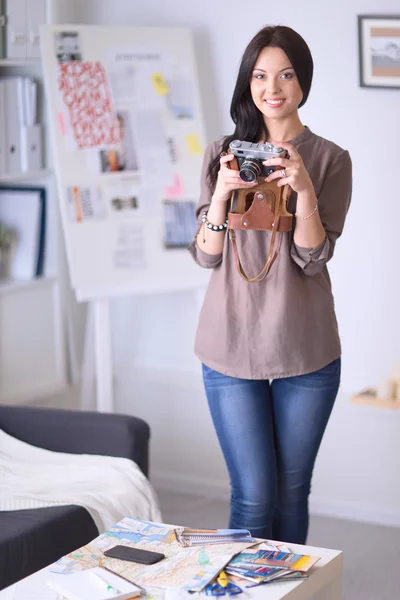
{"x": 261, "y": 565}
{"x": 256, "y": 558}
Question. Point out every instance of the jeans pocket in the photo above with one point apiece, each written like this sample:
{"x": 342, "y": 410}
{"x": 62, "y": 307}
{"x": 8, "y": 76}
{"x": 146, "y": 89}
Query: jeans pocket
{"x": 331, "y": 371}
{"x": 210, "y": 375}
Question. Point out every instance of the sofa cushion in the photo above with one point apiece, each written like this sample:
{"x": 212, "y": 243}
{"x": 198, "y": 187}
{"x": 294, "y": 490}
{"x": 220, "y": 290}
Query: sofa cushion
{"x": 32, "y": 539}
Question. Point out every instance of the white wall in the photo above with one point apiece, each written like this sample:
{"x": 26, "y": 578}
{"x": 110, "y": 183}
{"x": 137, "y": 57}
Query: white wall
{"x": 157, "y": 373}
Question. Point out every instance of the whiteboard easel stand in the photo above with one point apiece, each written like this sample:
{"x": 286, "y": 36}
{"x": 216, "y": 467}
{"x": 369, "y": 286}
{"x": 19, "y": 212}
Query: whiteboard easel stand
{"x": 97, "y": 374}
{"x": 164, "y": 271}
{"x": 97, "y": 358}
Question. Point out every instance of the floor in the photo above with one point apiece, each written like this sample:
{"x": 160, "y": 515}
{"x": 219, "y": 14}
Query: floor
{"x": 371, "y": 552}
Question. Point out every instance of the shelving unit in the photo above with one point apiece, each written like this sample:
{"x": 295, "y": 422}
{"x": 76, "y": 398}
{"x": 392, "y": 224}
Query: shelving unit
{"x": 26, "y": 175}
{"x": 12, "y": 285}
{"x": 33, "y": 313}
{"x": 15, "y": 62}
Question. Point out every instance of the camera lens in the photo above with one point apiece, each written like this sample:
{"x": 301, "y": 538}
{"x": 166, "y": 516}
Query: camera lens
{"x": 250, "y": 170}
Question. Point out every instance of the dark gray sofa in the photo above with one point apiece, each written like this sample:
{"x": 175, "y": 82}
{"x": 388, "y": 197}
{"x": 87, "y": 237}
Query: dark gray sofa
{"x": 32, "y": 539}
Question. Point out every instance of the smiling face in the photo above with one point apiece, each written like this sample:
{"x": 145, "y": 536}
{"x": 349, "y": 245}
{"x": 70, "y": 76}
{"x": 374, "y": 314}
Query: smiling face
{"x": 274, "y": 86}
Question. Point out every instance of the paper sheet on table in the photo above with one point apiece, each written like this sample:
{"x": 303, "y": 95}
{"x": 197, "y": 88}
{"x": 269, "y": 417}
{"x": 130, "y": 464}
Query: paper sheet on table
{"x": 34, "y": 589}
{"x": 183, "y": 568}
{"x": 177, "y": 595}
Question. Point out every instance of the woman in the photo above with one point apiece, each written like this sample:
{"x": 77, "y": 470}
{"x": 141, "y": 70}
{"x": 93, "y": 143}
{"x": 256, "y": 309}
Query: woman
{"x": 271, "y": 350}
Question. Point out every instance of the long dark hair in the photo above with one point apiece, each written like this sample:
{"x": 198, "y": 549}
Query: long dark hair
{"x": 249, "y": 121}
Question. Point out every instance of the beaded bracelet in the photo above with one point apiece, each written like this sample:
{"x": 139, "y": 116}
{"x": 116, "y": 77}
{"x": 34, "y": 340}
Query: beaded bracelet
{"x": 311, "y": 213}
{"x": 206, "y": 223}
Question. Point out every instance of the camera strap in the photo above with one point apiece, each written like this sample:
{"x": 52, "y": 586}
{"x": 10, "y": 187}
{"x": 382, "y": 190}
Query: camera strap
{"x": 263, "y": 208}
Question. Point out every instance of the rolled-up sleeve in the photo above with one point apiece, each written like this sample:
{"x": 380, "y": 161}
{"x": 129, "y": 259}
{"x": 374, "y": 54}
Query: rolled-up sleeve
{"x": 207, "y": 261}
{"x": 333, "y": 203}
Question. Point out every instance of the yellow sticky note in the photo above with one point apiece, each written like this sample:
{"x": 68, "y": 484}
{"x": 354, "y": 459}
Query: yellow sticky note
{"x": 159, "y": 84}
{"x": 193, "y": 144}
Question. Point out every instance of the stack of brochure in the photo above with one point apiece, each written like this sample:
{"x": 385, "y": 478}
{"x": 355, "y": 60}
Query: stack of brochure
{"x": 262, "y": 565}
{"x": 192, "y": 537}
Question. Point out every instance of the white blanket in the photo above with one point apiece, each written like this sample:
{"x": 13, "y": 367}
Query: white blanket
{"x": 109, "y": 488}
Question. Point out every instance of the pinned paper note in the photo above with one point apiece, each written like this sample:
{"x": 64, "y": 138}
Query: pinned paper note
{"x": 175, "y": 190}
{"x": 159, "y": 84}
{"x": 85, "y": 204}
{"x": 182, "y": 97}
{"x": 61, "y": 123}
{"x": 154, "y": 159}
{"x": 129, "y": 252}
{"x": 85, "y": 92}
{"x": 179, "y": 231}
{"x": 193, "y": 144}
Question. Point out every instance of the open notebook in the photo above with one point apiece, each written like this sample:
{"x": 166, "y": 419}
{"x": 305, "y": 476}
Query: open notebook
{"x": 96, "y": 584}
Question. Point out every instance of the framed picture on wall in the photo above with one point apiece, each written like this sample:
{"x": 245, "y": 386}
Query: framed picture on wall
{"x": 379, "y": 50}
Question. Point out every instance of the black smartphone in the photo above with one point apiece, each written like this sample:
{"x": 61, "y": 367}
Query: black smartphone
{"x": 134, "y": 555}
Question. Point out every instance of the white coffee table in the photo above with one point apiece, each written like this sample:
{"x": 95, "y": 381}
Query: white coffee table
{"x": 324, "y": 583}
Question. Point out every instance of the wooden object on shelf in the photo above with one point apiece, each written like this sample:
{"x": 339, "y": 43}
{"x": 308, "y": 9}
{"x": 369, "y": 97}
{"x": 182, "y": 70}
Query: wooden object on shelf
{"x": 369, "y": 397}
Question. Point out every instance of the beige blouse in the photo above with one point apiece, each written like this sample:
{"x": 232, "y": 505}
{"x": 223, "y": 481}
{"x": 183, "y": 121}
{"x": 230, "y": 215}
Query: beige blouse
{"x": 284, "y": 325}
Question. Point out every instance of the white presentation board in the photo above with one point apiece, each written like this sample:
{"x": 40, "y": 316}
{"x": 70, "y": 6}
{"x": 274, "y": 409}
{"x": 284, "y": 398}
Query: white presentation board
{"x": 128, "y": 138}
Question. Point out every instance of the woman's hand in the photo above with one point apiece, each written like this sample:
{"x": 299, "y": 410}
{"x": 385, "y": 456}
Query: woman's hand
{"x": 290, "y": 170}
{"x": 228, "y": 180}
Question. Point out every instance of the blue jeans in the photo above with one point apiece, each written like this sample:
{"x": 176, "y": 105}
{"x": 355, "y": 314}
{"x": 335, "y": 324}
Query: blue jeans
{"x": 270, "y": 433}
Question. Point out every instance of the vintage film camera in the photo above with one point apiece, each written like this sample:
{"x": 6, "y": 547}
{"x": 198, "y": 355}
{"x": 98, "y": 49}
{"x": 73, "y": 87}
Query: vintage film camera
{"x": 251, "y": 156}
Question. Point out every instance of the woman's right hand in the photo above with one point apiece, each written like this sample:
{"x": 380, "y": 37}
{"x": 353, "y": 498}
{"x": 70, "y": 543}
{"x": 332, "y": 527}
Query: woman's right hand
{"x": 228, "y": 180}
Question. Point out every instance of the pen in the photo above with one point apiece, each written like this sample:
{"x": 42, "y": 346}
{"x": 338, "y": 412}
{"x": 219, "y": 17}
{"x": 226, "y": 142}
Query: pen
{"x": 106, "y": 584}
{"x": 143, "y": 591}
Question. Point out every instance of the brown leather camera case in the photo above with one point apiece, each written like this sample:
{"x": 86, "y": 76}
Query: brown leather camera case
{"x": 260, "y": 208}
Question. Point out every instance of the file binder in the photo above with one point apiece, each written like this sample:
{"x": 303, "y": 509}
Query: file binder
{"x": 13, "y": 111}
{"x": 3, "y": 149}
{"x": 20, "y": 135}
{"x": 2, "y": 29}
{"x": 16, "y": 38}
{"x": 31, "y": 147}
{"x": 35, "y": 16}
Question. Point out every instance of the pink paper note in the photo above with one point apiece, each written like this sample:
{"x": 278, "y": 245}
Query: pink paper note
{"x": 61, "y": 123}
{"x": 175, "y": 190}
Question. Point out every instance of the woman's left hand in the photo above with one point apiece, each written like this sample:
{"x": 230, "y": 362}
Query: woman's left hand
{"x": 290, "y": 170}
